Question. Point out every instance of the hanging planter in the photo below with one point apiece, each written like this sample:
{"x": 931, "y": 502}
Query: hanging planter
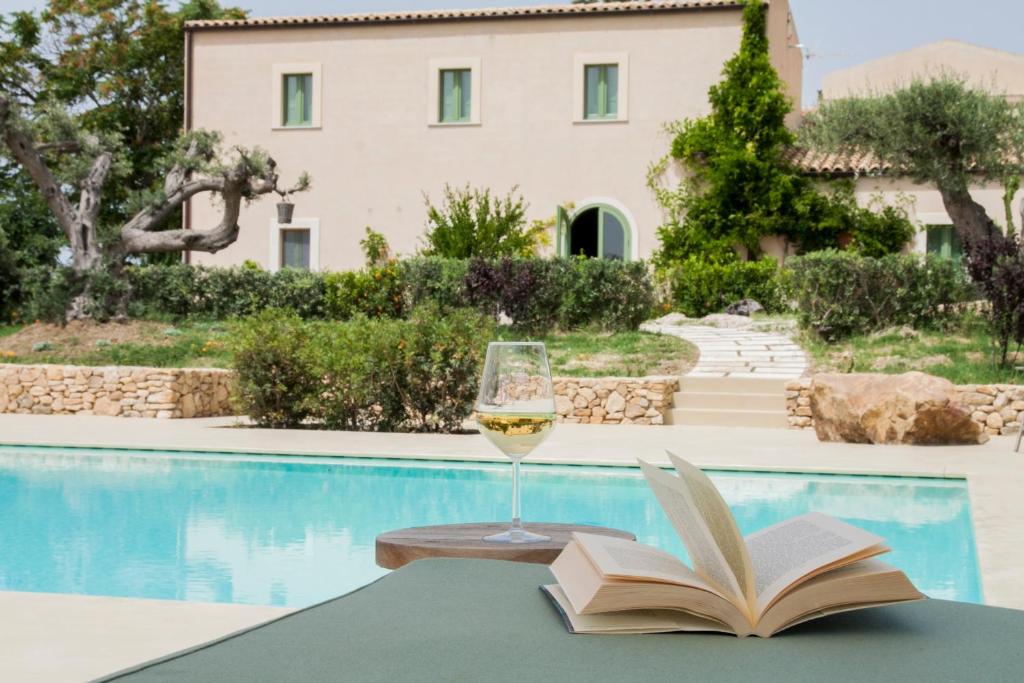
{"x": 285, "y": 210}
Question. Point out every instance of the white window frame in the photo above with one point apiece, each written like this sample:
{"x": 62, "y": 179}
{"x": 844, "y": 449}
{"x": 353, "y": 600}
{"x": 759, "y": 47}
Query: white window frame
{"x": 277, "y": 80}
{"x": 580, "y": 62}
{"x": 311, "y": 224}
{"x": 434, "y": 69}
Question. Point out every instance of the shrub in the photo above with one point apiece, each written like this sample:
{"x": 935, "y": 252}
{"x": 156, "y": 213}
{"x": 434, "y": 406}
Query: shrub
{"x": 840, "y": 293}
{"x": 611, "y": 295}
{"x": 376, "y": 292}
{"x": 275, "y": 375}
{"x": 700, "y": 287}
{"x": 529, "y": 291}
{"x": 538, "y": 294}
{"x": 473, "y": 223}
{"x": 996, "y": 264}
{"x": 363, "y": 374}
{"x": 435, "y": 279}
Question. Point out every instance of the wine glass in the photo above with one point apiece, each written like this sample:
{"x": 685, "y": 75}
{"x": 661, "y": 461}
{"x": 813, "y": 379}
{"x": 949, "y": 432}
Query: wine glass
{"x": 516, "y": 412}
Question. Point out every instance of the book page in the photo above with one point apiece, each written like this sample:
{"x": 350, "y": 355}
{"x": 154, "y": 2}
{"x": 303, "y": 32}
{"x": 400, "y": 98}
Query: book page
{"x": 689, "y": 521}
{"x": 722, "y": 525}
{"x": 788, "y": 552}
{"x": 633, "y": 621}
{"x": 621, "y": 558}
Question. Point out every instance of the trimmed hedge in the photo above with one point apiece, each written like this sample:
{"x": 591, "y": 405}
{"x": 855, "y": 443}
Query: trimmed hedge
{"x": 840, "y": 293}
{"x": 699, "y": 287}
{"x": 365, "y": 374}
{"x": 538, "y": 295}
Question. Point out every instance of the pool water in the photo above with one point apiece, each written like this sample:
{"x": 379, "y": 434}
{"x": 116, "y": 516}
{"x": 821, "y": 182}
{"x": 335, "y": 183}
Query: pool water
{"x": 295, "y": 531}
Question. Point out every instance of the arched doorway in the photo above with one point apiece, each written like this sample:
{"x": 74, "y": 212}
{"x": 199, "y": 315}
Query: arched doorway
{"x": 596, "y": 231}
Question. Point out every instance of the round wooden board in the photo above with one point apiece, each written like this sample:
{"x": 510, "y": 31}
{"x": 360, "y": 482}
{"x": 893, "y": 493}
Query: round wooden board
{"x": 398, "y": 548}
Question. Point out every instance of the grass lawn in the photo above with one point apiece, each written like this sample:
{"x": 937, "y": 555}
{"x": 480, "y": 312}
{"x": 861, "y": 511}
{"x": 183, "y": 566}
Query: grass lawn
{"x": 204, "y": 344}
{"x": 620, "y": 354}
{"x": 962, "y": 355}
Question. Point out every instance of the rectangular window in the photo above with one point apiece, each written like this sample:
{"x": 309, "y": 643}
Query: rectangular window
{"x": 601, "y": 91}
{"x": 944, "y": 241}
{"x": 295, "y": 248}
{"x": 456, "y": 95}
{"x": 297, "y": 100}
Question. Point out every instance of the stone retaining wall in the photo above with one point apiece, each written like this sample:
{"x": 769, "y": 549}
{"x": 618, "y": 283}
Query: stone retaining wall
{"x": 614, "y": 400}
{"x": 184, "y": 393}
{"x": 115, "y": 391}
{"x": 998, "y": 408}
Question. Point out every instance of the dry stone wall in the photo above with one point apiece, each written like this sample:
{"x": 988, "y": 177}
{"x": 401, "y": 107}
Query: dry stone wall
{"x": 998, "y": 408}
{"x": 614, "y": 400}
{"x": 184, "y": 393}
{"x": 115, "y": 391}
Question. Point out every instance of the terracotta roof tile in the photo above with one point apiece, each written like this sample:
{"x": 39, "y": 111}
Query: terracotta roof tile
{"x": 536, "y": 11}
{"x": 815, "y": 162}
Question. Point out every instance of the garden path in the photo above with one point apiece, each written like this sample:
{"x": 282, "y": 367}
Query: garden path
{"x": 737, "y": 352}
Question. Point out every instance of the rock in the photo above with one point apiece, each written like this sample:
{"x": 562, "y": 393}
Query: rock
{"x": 616, "y": 403}
{"x": 672, "y": 319}
{"x": 747, "y": 307}
{"x": 563, "y": 405}
{"x": 994, "y": 420}
{"x": 634, "y": 410}
{"x": 912, "y": 408}
{"x": 727, "y": 321}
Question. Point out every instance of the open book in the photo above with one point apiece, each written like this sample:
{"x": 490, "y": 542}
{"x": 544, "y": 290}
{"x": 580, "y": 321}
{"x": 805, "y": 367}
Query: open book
{"x": 801, "y": 569}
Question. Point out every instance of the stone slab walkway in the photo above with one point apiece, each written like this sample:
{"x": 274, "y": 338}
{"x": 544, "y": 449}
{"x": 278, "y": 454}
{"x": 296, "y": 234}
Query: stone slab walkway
{"x": 732, "y": 352}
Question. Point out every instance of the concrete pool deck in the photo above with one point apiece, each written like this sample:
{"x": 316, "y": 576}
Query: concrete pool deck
{"x": 995, "y": 476}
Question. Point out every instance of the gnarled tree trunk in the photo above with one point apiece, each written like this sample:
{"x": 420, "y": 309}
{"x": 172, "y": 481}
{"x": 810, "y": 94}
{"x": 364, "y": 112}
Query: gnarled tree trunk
{"x": 242, "y": 180}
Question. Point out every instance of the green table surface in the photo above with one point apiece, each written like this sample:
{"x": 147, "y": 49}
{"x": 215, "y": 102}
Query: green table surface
{"x": 480, "y": 620}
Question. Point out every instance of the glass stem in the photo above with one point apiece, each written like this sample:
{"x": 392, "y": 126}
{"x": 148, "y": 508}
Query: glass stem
{"x": 517, "y": 528}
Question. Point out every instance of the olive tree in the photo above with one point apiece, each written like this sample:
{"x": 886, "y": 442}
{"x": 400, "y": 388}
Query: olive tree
{"x": 940, "y": 132}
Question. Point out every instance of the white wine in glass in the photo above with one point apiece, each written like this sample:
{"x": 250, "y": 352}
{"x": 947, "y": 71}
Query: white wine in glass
{"x": 516, "y": 412}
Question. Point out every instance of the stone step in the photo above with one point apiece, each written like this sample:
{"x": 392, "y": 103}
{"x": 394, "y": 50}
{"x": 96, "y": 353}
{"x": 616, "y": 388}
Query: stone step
{"x": 730, "y": 401}
{"x": 716, "y": 417}
{"x": 733, "y": 385}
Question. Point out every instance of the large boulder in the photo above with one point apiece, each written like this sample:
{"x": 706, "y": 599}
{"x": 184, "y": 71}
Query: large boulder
{"x": 913, "y": 408}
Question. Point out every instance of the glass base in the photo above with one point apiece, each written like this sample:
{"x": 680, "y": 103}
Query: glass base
{"x": 516, "y": 536}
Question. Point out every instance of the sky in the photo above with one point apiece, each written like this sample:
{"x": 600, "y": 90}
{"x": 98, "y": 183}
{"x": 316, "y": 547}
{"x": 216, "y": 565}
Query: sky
{"x": 836, "y": 33}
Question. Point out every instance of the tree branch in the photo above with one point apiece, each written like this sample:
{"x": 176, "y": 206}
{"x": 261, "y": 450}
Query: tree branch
{"x": 139, "y": 235}
{"x": 23, "y": 148}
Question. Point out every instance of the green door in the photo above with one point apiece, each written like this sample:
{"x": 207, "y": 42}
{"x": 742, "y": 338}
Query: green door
{"x": 595, "y": 232}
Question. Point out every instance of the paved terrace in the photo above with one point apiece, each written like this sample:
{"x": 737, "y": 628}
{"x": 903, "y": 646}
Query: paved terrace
{"x": 43, "y": 635}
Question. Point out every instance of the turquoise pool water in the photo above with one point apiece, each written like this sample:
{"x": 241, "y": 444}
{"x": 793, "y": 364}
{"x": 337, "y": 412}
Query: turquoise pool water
{"x": 294, "y": 531}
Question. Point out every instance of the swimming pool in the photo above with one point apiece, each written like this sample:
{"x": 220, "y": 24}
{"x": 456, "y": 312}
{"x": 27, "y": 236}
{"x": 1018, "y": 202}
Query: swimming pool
{"x": 294, "y": 531}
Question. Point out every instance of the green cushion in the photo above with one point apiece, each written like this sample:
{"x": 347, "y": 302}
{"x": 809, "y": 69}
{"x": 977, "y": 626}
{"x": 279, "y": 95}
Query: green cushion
{"x": 478, "y": 620}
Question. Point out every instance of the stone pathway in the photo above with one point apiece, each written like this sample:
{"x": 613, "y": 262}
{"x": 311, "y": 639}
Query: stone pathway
{"x": 737, "y": 352}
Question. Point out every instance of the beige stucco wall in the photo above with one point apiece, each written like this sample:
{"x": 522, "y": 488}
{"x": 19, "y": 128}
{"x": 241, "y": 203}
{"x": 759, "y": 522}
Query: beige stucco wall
{"x": 375, "y": 155}
{"x": 995, "y": 70}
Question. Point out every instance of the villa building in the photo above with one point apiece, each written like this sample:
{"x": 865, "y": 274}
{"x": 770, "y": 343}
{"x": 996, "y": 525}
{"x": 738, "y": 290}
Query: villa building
{"x": 567, "y": 103}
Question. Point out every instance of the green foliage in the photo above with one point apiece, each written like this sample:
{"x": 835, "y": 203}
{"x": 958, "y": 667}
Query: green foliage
{"x": 941, "y": 131}
{"x": 739, "y": 185}
{"x": 470, "y": 222}
{"x": 375, "y": 247}
{"x": 274, "y": 373}
{"x": 364, "y": 374}
{"x": 701, "y": 287}
{"x": 840, "y": 293}
{"x": 435, "y": 279}
{"x": 119, "y": 66}
{"x": 29, "y": 238}
{"x": 376, "y": 292}
{"x": 538, "y": 294}
{"x": 606, "y": 294}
